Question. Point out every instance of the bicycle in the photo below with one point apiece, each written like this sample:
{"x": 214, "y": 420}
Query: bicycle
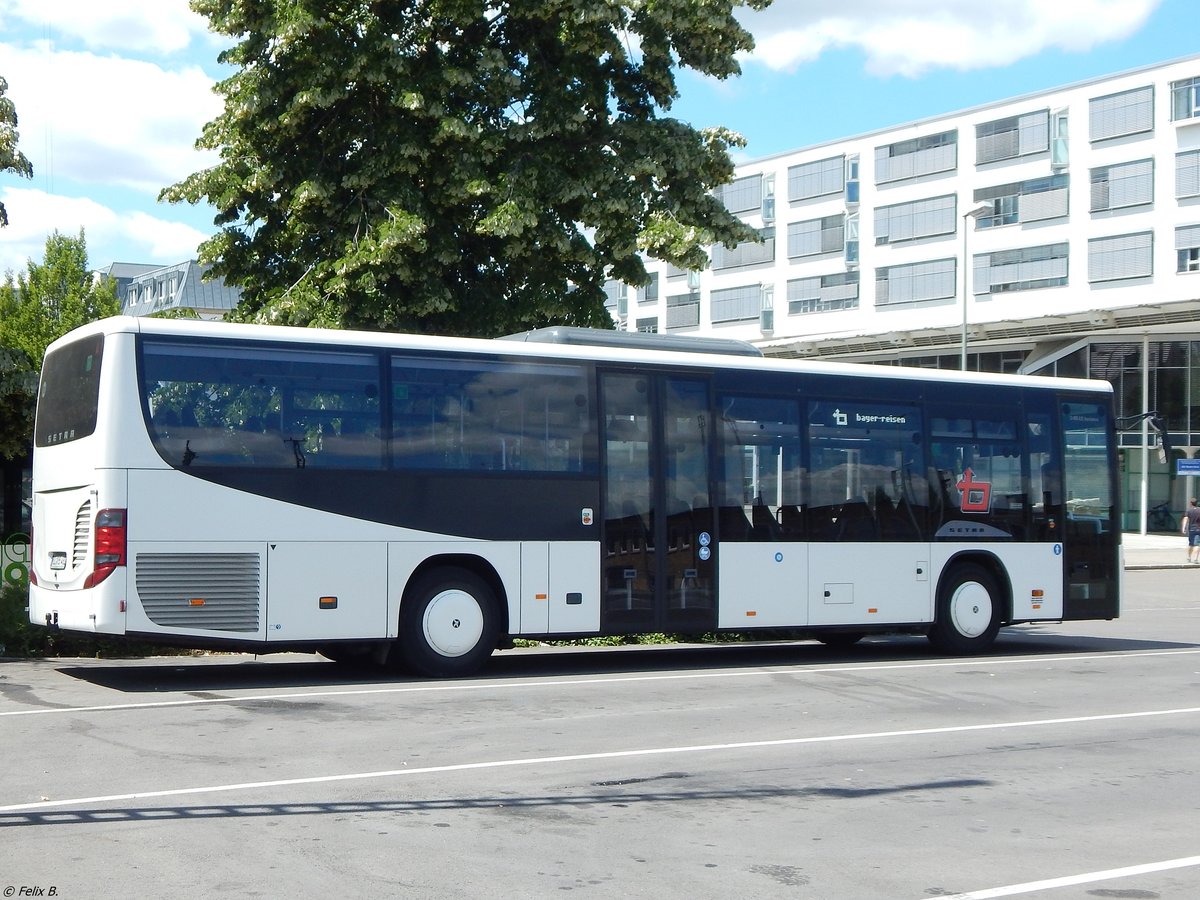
{"x": 1160, "y": 518}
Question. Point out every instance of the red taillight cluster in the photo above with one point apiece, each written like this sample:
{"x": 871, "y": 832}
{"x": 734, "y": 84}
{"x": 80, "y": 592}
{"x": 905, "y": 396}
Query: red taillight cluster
{"x": 110, "y": 545}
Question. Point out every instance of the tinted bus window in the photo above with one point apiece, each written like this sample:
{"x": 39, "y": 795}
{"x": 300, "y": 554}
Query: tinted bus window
{"x": 761, "y": 474}
{"x": 867, "y": 472}
{"x": 262, "y": 407}
{"x": 68, "y": 393}
{"x": 977, "y": 455}
{"x": 491, "y": 416}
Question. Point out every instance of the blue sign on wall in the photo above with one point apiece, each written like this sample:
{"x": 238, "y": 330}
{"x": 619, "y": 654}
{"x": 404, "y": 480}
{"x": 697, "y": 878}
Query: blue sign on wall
{"x": 1187, "y": 467}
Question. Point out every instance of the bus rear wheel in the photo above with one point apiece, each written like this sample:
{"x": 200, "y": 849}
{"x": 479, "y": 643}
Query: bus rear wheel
{"x": 448, "y": 624}
{"x": 970, "y": 608}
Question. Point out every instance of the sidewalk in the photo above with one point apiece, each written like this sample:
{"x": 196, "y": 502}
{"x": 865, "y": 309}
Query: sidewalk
{"x": 1155, "y": 551}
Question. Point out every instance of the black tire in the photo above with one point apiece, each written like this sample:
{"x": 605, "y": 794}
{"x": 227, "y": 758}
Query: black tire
{"x": 449, "y": 623}
{"x": 970, "y": 608}
{"x": 839, "y": 640}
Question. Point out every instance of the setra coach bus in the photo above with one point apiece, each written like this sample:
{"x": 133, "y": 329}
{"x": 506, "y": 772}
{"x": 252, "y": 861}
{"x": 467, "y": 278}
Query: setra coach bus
{"x": 426, "y": 500}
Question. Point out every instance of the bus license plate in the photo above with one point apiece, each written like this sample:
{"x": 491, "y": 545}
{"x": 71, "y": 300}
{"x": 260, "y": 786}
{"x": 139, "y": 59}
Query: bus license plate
{"x": 58, "y": 561}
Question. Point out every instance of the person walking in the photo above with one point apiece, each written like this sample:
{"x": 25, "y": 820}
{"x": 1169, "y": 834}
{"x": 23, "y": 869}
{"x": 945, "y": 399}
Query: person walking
{"x": 1191, "y": 527}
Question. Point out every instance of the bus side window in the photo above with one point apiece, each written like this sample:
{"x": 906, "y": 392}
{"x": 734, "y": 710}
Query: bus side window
{"x": 761, "y": 494}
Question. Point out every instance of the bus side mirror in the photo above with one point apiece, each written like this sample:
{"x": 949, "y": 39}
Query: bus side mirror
{"x": 1159, "y": 424}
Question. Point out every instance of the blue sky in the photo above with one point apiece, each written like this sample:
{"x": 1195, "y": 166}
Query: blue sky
{"x": 111, "y": 95}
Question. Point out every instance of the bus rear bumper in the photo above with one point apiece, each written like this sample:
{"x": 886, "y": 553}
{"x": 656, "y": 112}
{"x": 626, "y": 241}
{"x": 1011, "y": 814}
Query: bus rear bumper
{"x": 98, "y": 610}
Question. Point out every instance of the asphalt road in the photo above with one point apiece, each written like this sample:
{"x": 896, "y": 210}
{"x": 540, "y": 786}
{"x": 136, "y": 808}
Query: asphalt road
{"x": 1062, "y": 765}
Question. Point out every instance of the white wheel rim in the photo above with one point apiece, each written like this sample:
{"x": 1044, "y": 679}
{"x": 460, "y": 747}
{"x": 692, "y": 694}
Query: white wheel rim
{"x": 453, "y": 623}
{"x": 971, "y": 609}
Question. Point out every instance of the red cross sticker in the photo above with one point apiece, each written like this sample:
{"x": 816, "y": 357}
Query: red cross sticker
{"x": 976, "y": 495}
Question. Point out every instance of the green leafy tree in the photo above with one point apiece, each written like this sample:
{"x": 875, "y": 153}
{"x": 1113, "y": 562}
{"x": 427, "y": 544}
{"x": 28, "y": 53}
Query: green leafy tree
{"x": 11, "y": 159}
{"x": 460, "y": 166}
{"x": 40, "y": 305}
{"x": 18, "y": 387}
{"x": 49, "y": 299}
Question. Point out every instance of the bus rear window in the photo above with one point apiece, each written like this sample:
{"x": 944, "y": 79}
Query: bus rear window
{"x": 69, "y": 391}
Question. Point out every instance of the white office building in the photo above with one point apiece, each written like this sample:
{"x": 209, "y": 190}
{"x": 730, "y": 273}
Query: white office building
{"x": 1069, "y": 220}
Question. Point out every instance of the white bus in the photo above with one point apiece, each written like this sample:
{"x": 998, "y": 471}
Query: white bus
{"x": 427, "y": 500}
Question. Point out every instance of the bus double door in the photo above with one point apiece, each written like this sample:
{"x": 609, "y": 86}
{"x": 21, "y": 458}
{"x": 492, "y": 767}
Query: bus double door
{"x": 659, "y": 542}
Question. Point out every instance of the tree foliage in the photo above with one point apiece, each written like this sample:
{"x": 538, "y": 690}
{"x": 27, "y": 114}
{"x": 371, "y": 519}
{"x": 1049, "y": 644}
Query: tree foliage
{"x": 460, "y": 166}
{"x": 42, "y": 304}
{"x": 11, "y": 159}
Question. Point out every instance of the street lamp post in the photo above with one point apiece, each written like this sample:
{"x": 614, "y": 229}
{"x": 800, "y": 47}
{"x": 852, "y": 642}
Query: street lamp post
{"x": 978, "y": 212}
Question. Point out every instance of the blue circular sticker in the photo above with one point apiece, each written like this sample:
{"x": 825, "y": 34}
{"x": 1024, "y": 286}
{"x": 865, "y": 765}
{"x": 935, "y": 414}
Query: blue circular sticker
{"x": 705, "y": 553}
{"x": 1058, "y": 549}
{"x": 778, "y": 557}
{"x": 705, "y": 539}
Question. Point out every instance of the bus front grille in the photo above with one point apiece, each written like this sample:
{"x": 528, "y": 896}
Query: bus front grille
{"x": 213, "y": 591}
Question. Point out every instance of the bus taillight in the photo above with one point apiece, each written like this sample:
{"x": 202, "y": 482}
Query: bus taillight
{"x": 110, "y": 545}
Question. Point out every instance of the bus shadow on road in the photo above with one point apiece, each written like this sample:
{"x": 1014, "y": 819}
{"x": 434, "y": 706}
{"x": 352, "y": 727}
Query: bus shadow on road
{"x": 203, "y": 677}
{"x": 505, "y": 803}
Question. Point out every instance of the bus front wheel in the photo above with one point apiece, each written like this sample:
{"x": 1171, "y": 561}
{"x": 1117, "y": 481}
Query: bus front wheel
{"x": 448, "y": 624}
{"x": 969, "y": 610}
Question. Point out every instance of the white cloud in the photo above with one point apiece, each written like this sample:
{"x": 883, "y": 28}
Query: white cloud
{"x": 106, "y": 120}
{"x": 912, "y": 37}
{"x": 130, "y": 26}
{"x": 111, "y": 236}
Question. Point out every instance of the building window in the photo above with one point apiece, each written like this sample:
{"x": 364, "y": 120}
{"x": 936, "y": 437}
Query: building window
{"x": 828, "y": 293}
{"x": 1185, "y": 99}
{"x": 916, "y": 282}
{"x": 1123, "y": 256}
{"x": 649, "y": 293}
{"x": 648, "y": 325}
{"x": 741, "y": 194}
{"x": 1060, "y": 145}
{"x": 1025, "y": 201}
{"x": 1012, "y": 137}
{"x": 919, "y": 219}
{"x": 683, "y": 311}
{"x": 1124, "y": 184}
{"x": 1116, "y": 115}
{"x": 1026, "y": 269}
{"x": 1187, "y": 174}
{"x": 1187, "y": 248}
{"x": 816, "y": 236}
{"x": 615, "y": 294}
{"x": 914, "y": 158}
{"x": 739, "y": 304}
{"x": 746, "y": 253}
{"x": 816, "y": 179}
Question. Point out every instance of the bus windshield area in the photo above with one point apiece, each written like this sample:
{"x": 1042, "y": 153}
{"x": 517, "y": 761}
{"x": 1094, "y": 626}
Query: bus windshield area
{"x": 68, "y": 395}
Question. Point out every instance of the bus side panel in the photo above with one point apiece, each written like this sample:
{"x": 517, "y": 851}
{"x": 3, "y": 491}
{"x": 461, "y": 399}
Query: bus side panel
{"x": 319, "y": 590}
{"x": 879, "y": 583}
{"x": 405, "y": 557}
{"x": 209, "y": 589}
{"x": 574, "y": 594}
{"x": 762, "y": 585}
{"x": 1035, "y": 572}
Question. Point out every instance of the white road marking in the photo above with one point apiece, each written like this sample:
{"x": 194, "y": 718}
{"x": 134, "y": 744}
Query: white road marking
{"x": 1070, "y": 880}
{"x": 518, "y": 684}
{"x": 584, "y": 757}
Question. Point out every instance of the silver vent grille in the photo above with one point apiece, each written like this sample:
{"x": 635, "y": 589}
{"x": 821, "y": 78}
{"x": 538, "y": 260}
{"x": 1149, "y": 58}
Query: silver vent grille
{"x": 83, "y": 534}
{"x": 214, "y": 591}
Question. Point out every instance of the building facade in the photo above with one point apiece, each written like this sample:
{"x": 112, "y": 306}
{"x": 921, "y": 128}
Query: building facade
{"x": 1052, "y": 233}
{"x": 147, "y": 289}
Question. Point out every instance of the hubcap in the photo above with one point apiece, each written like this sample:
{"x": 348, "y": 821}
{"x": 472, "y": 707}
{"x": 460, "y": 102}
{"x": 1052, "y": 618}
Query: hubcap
{"x": 453, "y": 623}
{"x": 971, "y": 609}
